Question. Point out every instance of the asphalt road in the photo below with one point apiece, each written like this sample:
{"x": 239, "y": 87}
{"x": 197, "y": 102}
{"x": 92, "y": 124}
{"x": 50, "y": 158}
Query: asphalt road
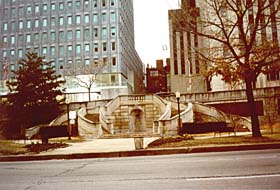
{"x": 227, "y": 170}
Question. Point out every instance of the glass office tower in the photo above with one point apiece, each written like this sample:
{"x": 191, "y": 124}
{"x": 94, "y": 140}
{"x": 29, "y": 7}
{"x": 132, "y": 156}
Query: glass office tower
{"x": 73, "y": 33}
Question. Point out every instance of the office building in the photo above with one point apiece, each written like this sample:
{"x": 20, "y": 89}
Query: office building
{"x": 189, "y": 68}
{"x": 73, "y": 33}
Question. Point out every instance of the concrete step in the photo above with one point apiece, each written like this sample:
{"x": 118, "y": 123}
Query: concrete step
{"x": 128, "y": 135}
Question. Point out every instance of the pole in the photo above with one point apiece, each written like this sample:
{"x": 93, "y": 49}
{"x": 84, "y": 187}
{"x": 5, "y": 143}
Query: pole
{"x": 179, "y": 120}
{"x": 68, "y": 124}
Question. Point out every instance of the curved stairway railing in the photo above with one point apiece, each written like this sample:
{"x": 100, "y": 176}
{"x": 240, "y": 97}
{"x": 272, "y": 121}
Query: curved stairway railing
{"x": 88, "y": 128}
{"x": 169, "y": 126}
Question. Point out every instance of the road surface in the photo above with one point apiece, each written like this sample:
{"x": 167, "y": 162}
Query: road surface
{"x": 228, "y": 170}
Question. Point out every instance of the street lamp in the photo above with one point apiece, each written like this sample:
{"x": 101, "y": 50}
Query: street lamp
{"x": 68, "y": 120}
{"x": 179, "y": 120}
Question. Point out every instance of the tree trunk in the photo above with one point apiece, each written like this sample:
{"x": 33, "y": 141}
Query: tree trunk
{"x": 252, "y": 107}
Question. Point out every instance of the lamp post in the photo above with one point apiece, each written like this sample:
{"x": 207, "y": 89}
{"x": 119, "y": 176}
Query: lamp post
{"x": 179, "y": 120}
{"x": 68, "y": 124}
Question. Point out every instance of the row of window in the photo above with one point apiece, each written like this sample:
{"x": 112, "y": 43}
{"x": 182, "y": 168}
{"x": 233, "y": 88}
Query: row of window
{"x": 53, "y": 21}
{"x": 53, "y": 36}
{"x": 63, "y": 50}
{"x": 53, "y": 6}
{"x": 64, "y": 64}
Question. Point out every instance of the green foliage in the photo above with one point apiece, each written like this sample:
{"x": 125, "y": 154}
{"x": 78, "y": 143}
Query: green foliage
{"x": 33, "y": 94}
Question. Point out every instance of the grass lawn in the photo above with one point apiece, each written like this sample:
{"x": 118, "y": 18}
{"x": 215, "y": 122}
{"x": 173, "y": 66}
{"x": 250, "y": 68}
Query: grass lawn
{"x": 9, "y": 147}
{"x": 190, "y": 141}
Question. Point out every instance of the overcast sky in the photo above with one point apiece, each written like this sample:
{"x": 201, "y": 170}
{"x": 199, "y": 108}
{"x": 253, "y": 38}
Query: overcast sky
{"x": 151, "y": 29}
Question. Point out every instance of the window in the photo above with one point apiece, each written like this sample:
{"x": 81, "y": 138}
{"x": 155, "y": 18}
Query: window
{"x": 61, "y": 6}
{"x": 53, "y": 37}
{"x": 78, "y": 61}
{"x": 61, "y": 50}
{"x": 12, "y": 67}
{"x": 44, "y": 50}
{"x": 13, "y": 39}
{"x": 61, "y": 21}
{"x": 86, "y": 20}
{"x": 4, "y": 53}
{"x": 44, "y": 37}
{"x": 20, "y": 39}
{"x": 112, "y": 3}
{"x": 6, "y": 12}
{"x": 36, "y": 8}
{"x": 21, "y": 11}
{"x": 69, "y": 49}
{"x": 113, "y": 46}
{"x": 95, "y": 32}
{"x": 69, "y": 5}
{"x": 28, "y": 38}
{"x": 28, "y": 10}
{"x": 12, "y": 53}
{"x": 87, "y": 61}
{"x": 95, "y": 47}
{"x": 20, "y": 53}
{"x": 113, "y": 31}
{"x": 113, "y": 17}
{"x": 94, "y": 3}
{"x": 95, "y": 18}
{"x": 13, "y": 26}
{"x": 13, "y": 12}
{"x": 45, "y": 8}
{"x": 5, "y": 39}
{"x": 20, "y": 24}
{"x": 36, "y": 23}
{"x": 78, "y": 49}
{"x": 78, "y": 34}
{"x": 69, "y": 35}
{"x": 86, "y": 4}
{"x": 53, "y": 7}
{"x": 104, "y": 32}
{"x": 105, "y": 60}
{"x": 69, "y": 20}
{"x": 61, "y": 64}
{"x": 87, "y": 48}
{"x": 5, "y": 26}
{"x": 53, "y": 21}
{"x": 104, "y": 17}
{"x": 104, "y": 46}
{"x": 86, "y": 34}
{"x": 78, "y": 4}
{"x": 61, "y": 35}
{"x": 36, "y": 37}
{"x": 103, "y": 3}
{"x": 78, "y": 19}
{"x": 52, "y": 50}
{"x": 96, "y": 61}
{"x": 45, "y": 22}
{"x": 114, "y": 61}
{"x": 36, "y": 50}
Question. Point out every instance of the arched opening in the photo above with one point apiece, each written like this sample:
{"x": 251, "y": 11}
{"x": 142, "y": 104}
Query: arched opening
{"x": 137, "y": 121}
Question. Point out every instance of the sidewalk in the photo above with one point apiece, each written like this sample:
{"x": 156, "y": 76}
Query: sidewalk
{"x": 125, "y": 147}
{"x": 99, "y": 146}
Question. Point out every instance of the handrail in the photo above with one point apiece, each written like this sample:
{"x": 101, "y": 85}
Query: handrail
{"x": 167, "y": 113}
{"x": 105, "y": 124}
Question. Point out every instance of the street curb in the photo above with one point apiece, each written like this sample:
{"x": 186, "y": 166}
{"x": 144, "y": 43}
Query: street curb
{"x": 143, "y": 152}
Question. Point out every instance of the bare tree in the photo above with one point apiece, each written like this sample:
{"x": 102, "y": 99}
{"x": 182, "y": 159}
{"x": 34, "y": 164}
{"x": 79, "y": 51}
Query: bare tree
{"x": 239, "y": 40}
{"x": 85, "y": 75}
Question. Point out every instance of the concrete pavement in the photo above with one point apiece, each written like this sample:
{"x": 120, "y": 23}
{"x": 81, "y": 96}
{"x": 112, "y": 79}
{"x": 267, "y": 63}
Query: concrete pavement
{"x": 99, "y": 146}
{"x": 125, "y": 147}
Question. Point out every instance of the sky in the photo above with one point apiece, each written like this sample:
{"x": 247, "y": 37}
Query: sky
{"x": 151, "y": 29}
